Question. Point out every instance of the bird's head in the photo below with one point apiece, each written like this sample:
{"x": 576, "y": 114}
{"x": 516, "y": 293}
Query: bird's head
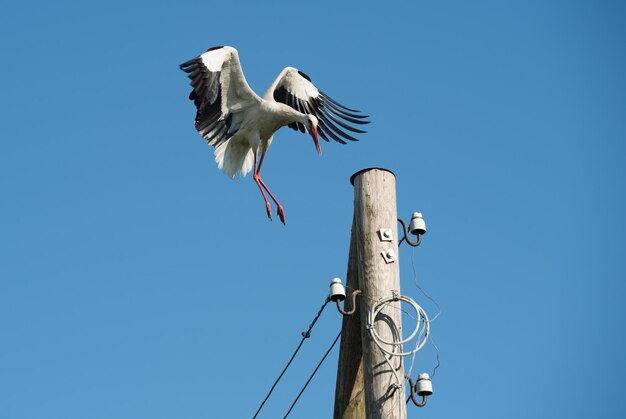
{"x": 311, "y": 126}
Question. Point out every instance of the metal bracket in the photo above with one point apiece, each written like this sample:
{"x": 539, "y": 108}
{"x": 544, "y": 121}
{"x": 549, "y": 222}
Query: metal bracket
{"x": 389, "y": 255}
{"x": 351, "y": 312}
{"x": 385, "y": 235}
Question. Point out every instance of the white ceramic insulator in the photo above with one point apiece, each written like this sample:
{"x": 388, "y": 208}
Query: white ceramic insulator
{"x": 418, "y": 225}
{"x": 424, "y": 385}
{"x": 337, "y": 291}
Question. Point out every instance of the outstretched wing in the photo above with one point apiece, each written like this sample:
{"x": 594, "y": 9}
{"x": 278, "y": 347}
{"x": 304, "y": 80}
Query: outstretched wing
{"x": 294, "y": 88}
{"x": 220, "y": 92}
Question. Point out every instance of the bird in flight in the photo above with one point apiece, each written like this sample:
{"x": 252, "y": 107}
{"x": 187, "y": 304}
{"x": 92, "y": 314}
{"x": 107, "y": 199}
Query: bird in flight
{"x": 240, "y": 125}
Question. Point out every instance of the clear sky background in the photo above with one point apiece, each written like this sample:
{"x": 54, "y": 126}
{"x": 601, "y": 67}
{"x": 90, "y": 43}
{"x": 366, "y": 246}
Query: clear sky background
{"x": 138, "y": 281}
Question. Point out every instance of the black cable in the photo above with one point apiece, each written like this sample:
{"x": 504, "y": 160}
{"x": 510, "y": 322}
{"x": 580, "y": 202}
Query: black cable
{"x": 312, "y": 375}
{"x": 305, "y": 335}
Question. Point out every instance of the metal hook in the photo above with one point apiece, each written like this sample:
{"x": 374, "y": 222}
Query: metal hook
{"x": 412, "y": 396}
{"x": 351, "y": 312}
{"x": 406, "y": 235}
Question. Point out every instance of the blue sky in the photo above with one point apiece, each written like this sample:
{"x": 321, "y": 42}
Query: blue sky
{"x": 137, "y": 281}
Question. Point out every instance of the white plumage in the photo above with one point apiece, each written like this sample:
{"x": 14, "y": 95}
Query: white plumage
{"x": 241, "y": 125}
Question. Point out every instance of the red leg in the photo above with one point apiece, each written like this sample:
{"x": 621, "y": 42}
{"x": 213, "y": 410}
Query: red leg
{"x": 262, "y": 185}
{"x": 258, "y": 181}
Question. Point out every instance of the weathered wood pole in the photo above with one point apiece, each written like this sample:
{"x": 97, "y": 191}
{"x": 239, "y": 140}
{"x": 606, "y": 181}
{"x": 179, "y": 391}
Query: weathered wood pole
{"x": 366, "y": 372}
{"x": 349, "y": 395}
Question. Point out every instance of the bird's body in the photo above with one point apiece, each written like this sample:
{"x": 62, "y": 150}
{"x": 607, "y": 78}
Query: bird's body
{"x": 259, "y": 123}
{"x": 241, "y": 125}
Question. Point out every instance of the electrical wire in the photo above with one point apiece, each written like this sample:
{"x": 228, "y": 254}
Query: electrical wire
{"x": 305, "y": 335}
{"x": 374, "y": 301}
{"x": 422, "y": 318}
{"x": 437, "y": 351}
{"x": 422, "y": 290}
{"x": 439, "y": 311}
{"x": 420, "y": 332}
{"x": 313, "y": 374}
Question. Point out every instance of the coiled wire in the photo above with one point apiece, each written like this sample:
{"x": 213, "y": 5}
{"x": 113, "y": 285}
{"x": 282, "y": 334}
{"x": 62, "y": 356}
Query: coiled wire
{"x": 422, "y": 326}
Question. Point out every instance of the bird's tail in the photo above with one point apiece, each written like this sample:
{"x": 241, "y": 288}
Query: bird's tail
{"x": 234, "y": 157}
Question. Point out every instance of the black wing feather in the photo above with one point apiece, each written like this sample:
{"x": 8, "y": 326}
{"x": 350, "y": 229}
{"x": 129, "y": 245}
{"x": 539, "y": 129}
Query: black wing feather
{"x": 206, "y": 94}
{"x": 331, "y": 115}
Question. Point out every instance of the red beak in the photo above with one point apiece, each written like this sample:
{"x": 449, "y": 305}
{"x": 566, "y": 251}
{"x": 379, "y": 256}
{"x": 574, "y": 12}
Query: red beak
{"x": 316, "y": 140}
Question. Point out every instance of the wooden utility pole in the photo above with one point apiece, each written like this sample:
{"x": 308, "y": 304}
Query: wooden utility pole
{"x": 367, "y": 387}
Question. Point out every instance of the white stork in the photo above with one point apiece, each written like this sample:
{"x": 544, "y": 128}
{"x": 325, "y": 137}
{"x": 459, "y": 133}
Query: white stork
{"x": 241, "y": 125}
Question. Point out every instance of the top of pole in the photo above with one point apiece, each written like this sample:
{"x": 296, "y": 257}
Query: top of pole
{"x": 368, "y": 169}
